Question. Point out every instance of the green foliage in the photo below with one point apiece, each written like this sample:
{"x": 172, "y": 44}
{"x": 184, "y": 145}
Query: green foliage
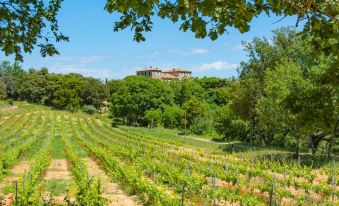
{"x": 70, "y": 108}
{"x": 70, "y": 91}
{"x": 193, "y": 108}
{"x": 153, "y": 117}
{"x": 3, "y": 90}
{"x": 10, "y": 101}
{"x": 24, "y": 27}
{"x": 211, "y": 18}
{"x": 201, "y": 125}
{"x": 94, "y": 92}
{"x": 287, "y": 89}
{"x": 230, "y": 126}
{"x": 186, "y": 89}
{"x": 89, "y": 109}
{"x": 172, "y": 117}
{"x": 138, "y": 94}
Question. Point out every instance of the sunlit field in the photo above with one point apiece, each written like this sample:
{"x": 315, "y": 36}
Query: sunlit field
{"x": 57, "y": 157}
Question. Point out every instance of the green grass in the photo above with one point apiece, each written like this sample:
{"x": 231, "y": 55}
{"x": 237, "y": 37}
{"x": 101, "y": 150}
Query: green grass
{"x": 57, "y": 187}
{"x": 58, "y": 148}
{"x": 202, "y": 145}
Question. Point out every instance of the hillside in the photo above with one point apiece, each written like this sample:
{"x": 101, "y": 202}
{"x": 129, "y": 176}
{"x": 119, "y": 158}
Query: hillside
{"x": 51, "y": 157}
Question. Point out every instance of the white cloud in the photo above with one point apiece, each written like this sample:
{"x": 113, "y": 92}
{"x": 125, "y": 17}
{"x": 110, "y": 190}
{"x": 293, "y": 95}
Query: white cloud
{"x": 199, "y": 51}
{"x": 192, "y": 51}
{"x": 217, "y": 65}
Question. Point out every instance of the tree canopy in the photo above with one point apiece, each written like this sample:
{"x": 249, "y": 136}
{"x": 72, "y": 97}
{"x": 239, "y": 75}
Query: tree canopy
{"x": 211, "y": 18}
{"x": 27, "y": 24}
{"x": 71, "y": 91}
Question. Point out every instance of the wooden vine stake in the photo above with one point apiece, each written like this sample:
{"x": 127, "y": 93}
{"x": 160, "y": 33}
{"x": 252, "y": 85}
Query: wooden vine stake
{"x": 284, "y": 176}
{"x": 24, "y": 183}
{"x": 215, "y": 188}
{"x": 272, "y": 190}
{"x": 30, "y": 173}
{"x": 183, "y": 194}
{"x": 16, "y": 191}
{"x": 154, "y": 177}
{"x": 333, "y": 181}
{"x": 99, "y": 185}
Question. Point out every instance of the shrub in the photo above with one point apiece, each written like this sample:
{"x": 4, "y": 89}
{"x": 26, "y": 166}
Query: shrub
{"x": 70, "y": 108}
{"x": 89, "y": 109}
{"x": 153, "y": 117}
{"x": 10, "y": 101}
{"x": 172, "y": 117}
{"x": 201, "y": 125}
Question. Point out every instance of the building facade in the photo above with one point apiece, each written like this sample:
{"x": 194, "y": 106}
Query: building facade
{"x": 172, "y": 74}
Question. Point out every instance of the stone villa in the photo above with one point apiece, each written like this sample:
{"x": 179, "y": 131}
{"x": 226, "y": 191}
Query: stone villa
{"x": 172, "y": 74}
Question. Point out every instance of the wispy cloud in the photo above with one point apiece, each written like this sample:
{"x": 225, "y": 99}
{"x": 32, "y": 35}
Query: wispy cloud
{"x": 81, "y": 59}
{"x": 154, "y": 54}
{"x": 199, "y": 51}
{"x": 192, "y": 51}
{"x": 217, "y": 65}
{"x": 237, "y": 47}
{"x": 85, "y": 65}
{"x": 96, "y": 72}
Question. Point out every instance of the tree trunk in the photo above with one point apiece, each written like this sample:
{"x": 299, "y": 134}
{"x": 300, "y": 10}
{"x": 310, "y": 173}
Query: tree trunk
{"x": 297, "y": 152}
{"x": 315, "y": 140}
{"x": 332, "y": 141}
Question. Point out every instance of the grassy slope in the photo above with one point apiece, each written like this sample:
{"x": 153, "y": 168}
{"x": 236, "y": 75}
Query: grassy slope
{"x": 236, "y": 147}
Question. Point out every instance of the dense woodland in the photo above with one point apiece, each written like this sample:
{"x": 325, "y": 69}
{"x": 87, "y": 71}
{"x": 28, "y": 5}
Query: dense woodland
{"x": 286, "y": 95}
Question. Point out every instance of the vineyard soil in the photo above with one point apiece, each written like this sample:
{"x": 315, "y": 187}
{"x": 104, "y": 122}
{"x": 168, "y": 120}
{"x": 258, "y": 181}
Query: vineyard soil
{"x": 51, "y": 157}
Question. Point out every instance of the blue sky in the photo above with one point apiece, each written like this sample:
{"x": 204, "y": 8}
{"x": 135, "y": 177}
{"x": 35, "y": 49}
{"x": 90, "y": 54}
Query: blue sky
{"x": 95, "y": 50}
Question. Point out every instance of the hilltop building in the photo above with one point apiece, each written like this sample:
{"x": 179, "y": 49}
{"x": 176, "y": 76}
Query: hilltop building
{"x": 172, "y": 74}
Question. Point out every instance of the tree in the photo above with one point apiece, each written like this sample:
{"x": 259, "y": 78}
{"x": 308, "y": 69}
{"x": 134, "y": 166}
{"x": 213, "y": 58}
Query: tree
{"x": 193, "y": 108}
{"x": 230, "y": 126}
{"x": 172, "y": 116}
{"x": 215, "y": 89}
{"x": 23, "y": 26}
{"x": 186, "y": 89}
{"x": 153, "y": 117}
{"x": 283, "y": 82}
{"x": 138, "y": 94}
{"x": 32, "y": 87}
{"x": 3, "y": 90}
{"x": 201, "y": 125}
{"x": 295, "y": 103}
{"x": 94, "y": 92}
{"x": 11, "y": 74}
{"x": 211, "y": 18}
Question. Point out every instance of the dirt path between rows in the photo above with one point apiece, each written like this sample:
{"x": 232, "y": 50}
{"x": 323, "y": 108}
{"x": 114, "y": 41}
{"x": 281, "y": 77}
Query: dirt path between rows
{"x": 9, "y": 108}
{"x": 57, "y": 170}
{"x": 205, "y": 140}
{"x": 112, "y": 192}
{"x": 15, "y": 173}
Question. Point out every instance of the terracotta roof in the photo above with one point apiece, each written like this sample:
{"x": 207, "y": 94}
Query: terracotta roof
{"x": 167, "y": 76}
{"x": 177, "y": 70}
{"x": 150, "y": 69}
